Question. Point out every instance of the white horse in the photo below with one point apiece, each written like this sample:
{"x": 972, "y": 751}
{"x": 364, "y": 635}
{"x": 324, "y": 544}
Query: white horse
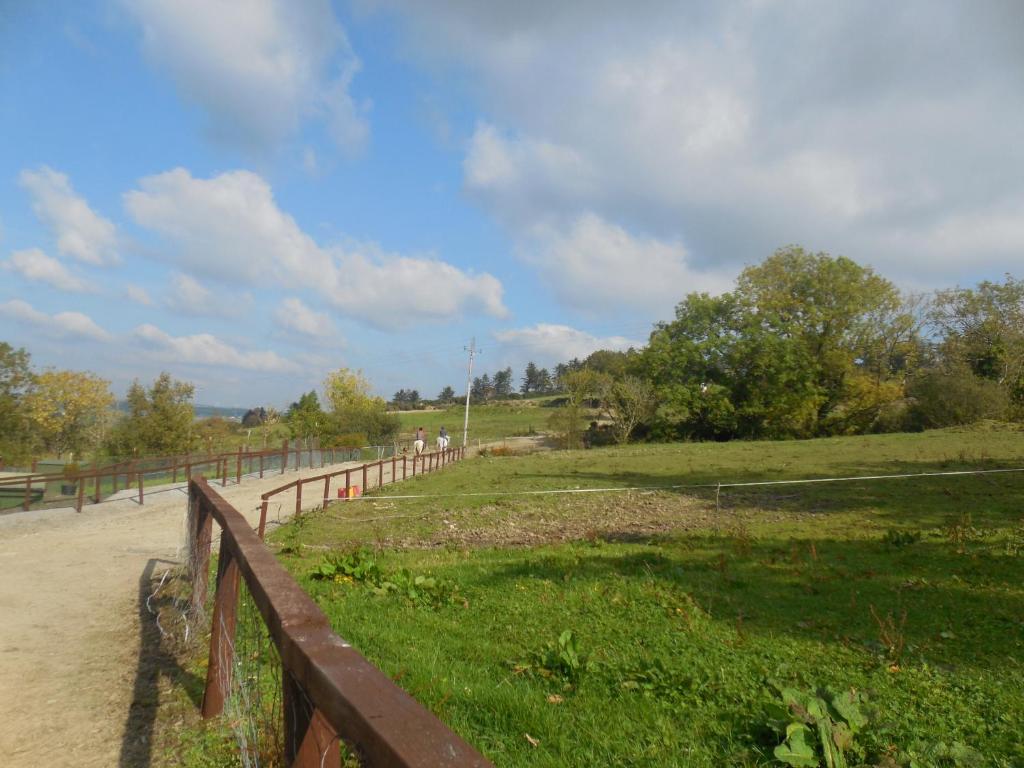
{"x": 442, "y": 443}
{"x": 418, "y": 446}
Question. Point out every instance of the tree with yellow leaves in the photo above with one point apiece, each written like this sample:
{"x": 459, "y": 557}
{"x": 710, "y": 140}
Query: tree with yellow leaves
{"x": 69, "y": 409}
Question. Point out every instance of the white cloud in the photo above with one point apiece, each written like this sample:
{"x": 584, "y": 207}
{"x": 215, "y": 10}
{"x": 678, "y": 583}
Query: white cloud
{"x": 206, "y": 349}
{"x": 34, "y": 265}
{"x": 258, "y": 68}
{"x": 63, "y": 325}
{"x": 139, "y": 295}
{"x": 551, "y": 343}
{"x": 294, "y": 315}
{"x": 230, "y": 228}
{"x": 81, "y": 233}
{"x": 188, "y": 296}
{"x": 738, "y": 127}
{"x": 594, "y": 265}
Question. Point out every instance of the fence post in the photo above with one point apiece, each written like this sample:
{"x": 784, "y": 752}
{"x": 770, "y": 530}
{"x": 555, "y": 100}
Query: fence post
{"x": 200, "y": 527}
{"x": 414, "y": 465}
{"x": 113, "y": 483}
{"x": 261, "y": 466}
{"x": 380, "y": 473}
{"x": 263, "y": 517}
{"x": 238, "y": 467}
{"x": 284, "y": 455}
{"x": 175, "y": 473}
{"x": 80, "y": 502}
{"x": 309, "y": 740}
{"x": 327, "y": 490}
{"x": 405, "y": 467}
{"x": 222, "y": 635}
{"x": 348, "y": 484}
{"x": 27, "y": 501}
{"x": 364, "y": 479}
{"x": 96, "y": 489}
{"x": 142, "y": 490}
{"x": 223, "y": 466}
{"x": 298, "y": 499}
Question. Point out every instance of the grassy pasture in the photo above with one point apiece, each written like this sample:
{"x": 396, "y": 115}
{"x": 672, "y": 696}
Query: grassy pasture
{"x": 491, "y": 421}
{"x": 689, "y": 608}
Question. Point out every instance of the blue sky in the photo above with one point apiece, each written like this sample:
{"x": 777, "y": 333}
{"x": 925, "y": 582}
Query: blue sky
{"x": 250, "y": 193}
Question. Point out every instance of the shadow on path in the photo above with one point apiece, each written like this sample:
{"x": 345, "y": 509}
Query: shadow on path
{"x": 155, "y": 659}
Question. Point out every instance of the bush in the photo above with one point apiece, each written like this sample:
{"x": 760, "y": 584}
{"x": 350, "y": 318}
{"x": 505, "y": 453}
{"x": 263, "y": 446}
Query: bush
{"x": 947, "y": 399}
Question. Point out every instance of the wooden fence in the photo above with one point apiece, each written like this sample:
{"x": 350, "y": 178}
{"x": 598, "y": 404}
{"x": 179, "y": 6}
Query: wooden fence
{"x": 93, "y": 485}
{"x": 370, "y": 475}
{"x": 328, "y": 690}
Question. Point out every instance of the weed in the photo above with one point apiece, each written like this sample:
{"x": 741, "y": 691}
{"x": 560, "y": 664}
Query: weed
{"x": 360, "y": 566}
{"x": 960, "y": 531}
{"x": 820, "y": 726}
{"x": 897, "y": 539}
{"x": 559, "y": 659}
{"x": 891, "y": 633}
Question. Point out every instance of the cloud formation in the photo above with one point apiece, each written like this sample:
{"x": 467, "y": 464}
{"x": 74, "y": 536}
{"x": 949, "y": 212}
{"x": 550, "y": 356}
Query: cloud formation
{"x": 188, "y": 296}
{"x": 230, "y": 228}
{"x": 258, "y": 68}
{"x": 207, "y": 349}
{"x": 295, "y": 315}
{"x": 35, "y": 266}
{"x": 887, "y": 134}
{"x": 80, "y": 232}
{"x": 63, "y": 325}
{"x": 549, "y": 343}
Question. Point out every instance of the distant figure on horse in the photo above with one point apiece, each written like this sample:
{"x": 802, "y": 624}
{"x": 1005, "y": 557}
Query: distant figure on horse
{"x": 442, "y": 439}
{"x": 421, "y": 441}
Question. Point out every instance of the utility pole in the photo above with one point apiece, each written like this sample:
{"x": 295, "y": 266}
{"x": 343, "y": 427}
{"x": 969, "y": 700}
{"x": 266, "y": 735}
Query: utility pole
{"x": 473, "y": 351}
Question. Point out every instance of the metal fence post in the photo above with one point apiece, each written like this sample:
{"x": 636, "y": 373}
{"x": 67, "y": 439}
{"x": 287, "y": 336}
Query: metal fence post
{"x": 222, "y": 634}
{"x": 309, "y": 740}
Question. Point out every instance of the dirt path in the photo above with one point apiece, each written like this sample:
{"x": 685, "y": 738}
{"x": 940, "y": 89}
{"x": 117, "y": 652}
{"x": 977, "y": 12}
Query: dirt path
{"x": 69, "y": 619}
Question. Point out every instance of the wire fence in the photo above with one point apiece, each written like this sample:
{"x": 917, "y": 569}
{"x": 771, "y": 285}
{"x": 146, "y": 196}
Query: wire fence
{"x": 293, "y": 690}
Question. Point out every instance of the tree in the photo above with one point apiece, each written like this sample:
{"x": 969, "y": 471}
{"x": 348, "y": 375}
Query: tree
{"x": 503, "y": 383}
{"x": 16, "y": 380}
{"x": 982, "y": 329}
{"x": 355, "y": 410}
{"x": 544, "y": 382}
{"x": 159, "y": 420}
{"x": 446, "y": 396}
{"x": 529, "y": 379}
{"x": 305, "y": 417}
{"x": 627, "y": 402}
{"x": 69, "y": 410}
{"x": 482, "y": 388}
{"x": 255, "y": 417}
{"x": 580, "y": 386}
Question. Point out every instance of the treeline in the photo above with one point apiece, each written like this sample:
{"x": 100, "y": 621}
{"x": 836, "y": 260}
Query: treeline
{"x": 809, "y": 345}
{"x": 72, "y": 415}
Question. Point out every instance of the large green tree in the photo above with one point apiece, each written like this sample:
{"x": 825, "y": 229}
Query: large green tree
{"x": 806, "y": 344}
{"x": 159, "y": 420}
{"x": 16, "y": 379}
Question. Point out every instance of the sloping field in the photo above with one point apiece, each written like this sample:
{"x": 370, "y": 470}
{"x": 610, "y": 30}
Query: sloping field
{"x": 671, "y": 627}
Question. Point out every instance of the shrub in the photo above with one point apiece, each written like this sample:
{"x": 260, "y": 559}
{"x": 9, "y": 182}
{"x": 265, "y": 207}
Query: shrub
{"x": 947, "y": 399}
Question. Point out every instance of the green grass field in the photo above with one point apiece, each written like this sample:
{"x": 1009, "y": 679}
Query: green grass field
{"x": 489, "y": 422}
{"x": 690, "y": 609}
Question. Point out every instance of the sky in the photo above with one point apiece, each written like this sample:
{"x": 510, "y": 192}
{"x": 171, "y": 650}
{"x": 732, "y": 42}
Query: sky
{"x": 251, "y": 193}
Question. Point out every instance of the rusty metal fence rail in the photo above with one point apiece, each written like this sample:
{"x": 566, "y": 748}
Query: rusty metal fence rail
{"x": 370, "y": 475}
{"x": 76, "y": 489}
{"x": 329, "y": 692}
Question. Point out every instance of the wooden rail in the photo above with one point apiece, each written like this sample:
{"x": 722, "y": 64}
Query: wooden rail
{"x": 428, "y": 462}
{"x": 105, "y": 481}
{"x": 329, "y": 691}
